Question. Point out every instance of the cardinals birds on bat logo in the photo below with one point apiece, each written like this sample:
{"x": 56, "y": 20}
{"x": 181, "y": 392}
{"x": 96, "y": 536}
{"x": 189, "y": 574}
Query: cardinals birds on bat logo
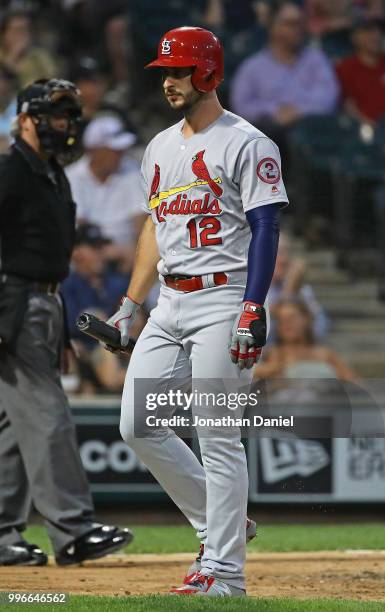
{"x": 200, "y": 170}
{"x": 202, "y": 175}
{"x": 155, "y": 183}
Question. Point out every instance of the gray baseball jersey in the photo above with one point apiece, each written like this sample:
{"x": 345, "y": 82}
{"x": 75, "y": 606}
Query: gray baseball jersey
{"x": 199, "y": 189}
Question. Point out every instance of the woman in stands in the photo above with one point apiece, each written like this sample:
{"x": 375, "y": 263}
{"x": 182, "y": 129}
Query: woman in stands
{"x": 295, "y": 353}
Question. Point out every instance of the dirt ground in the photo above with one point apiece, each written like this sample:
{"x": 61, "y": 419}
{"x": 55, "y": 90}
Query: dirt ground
{"x": 351, "y": 574}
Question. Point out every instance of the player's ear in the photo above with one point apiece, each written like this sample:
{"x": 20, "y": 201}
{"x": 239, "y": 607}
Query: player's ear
{"x": 210, "y": 77}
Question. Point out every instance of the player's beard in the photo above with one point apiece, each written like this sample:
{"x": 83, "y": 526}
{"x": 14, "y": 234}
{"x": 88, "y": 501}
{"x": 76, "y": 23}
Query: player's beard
{"x": 187, "y": 102}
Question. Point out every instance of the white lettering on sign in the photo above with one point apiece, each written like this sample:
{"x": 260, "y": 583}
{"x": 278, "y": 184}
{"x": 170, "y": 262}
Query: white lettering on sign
{"x": 97, "y": 456}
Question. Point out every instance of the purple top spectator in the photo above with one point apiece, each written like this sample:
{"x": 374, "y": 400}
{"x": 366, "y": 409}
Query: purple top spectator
{"x": 263, "y": 84}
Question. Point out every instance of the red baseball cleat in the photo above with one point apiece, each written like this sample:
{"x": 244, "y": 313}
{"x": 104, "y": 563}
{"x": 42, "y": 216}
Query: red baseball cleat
{"x": 199, "y": 584}
{"x": 251, "y": 532}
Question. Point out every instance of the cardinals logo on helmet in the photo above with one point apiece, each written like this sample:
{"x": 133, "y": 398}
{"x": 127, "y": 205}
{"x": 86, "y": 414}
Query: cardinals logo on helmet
{"x": 166, "y": 47}
{"x": 200, "y": 170}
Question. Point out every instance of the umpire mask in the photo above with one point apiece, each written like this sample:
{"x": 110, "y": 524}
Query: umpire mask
{"x": 47, "y": 100}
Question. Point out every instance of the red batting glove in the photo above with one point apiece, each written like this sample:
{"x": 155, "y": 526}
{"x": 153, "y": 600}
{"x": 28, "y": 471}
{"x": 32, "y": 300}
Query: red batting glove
{"x": 248, "y": 335}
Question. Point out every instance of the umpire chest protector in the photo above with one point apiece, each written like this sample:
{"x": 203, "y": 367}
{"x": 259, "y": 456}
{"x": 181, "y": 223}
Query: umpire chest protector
{"x": 37, "y": 216}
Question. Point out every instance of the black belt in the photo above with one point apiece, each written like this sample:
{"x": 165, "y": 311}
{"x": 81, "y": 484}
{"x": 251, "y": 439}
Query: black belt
{"x": 39, "y": 287}
{"x": 48, "y": 288}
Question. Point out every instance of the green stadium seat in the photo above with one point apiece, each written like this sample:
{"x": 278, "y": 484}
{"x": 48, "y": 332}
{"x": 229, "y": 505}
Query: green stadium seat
{"x": 337, "y": 44}
{"x": 316, "y": 142}
{"x": 379, "y": 134}
{"x": 356, "y": 176}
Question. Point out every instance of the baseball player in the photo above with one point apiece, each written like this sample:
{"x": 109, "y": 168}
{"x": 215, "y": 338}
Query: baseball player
{"x": 213, "y": 189}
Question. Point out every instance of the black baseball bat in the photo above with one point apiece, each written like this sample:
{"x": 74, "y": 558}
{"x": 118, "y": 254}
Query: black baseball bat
{"x": 101, "y": 331}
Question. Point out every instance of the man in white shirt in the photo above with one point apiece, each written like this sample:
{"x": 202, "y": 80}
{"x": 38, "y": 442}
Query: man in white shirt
{"x": 105, "y": 184}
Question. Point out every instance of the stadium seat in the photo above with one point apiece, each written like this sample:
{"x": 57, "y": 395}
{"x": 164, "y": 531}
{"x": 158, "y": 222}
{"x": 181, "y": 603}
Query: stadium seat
{"x": 379, "y": 134}
{"x": 357, "y": 173}
{"x": 337, "y": 44}
{"x": 323, "y": 136}
{"x": 315, "y": 143}
{"x": 379, "y": 205}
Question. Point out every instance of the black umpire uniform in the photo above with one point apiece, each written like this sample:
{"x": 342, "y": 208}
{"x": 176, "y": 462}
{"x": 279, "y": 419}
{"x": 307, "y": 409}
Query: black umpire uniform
{"x": 39, "y": 458}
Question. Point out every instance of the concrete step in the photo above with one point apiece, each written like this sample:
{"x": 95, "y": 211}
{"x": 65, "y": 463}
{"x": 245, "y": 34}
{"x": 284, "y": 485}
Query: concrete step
{"x": 367, "y": 366}
{"x": 359, "y": 341}
{"x": 361, "y": 312}
{"x": 326, "y": 276}
{"x": 357, "y": 259}
{"x": 364, "y": 370}
{"x": 324, "y": 258}
{"x": 352, "y": 291}
{"x": 354, "y": 325}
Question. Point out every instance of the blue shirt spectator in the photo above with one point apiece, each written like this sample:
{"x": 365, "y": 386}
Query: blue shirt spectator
{"x": 6, "y": 117}
{"x": 8, "y": 90}
{"x": 90, "y": 287}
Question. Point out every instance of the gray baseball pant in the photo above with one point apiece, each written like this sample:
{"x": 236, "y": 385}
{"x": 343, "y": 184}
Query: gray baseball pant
{"x": 39, "y": 458}
{"x": 187, "y": 336}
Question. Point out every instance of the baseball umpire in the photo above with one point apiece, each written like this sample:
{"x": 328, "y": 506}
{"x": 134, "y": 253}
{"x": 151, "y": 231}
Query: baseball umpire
{"x": 39, "y": 459}
{"x": 212, "y": 190}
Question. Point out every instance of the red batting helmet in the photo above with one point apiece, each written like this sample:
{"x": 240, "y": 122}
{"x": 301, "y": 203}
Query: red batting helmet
{"x": 185, "y": 47}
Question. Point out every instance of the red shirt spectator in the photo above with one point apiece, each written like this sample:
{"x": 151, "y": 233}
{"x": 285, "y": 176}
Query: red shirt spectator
{"x": 362, "y": 75}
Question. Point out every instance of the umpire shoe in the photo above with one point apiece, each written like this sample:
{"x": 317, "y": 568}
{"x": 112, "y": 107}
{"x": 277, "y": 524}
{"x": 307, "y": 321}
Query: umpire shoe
{"x": 97, "y": 543}
{"x": 22, "y": 553}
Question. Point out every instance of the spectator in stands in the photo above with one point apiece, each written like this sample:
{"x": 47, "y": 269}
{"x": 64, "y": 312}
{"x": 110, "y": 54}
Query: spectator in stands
{"x": 98, "y": 96}
{"x": 362, "y": 76}
{"x": 295, "y": 353}
{"x": 220, "y": 14}
{"x": 289, "y": 282}
{"x": 92, "y": 83}
{"x": 106, "y": 186}
{"x": 149, "y": 21}
{"x": 370, "y": 9}
{"x": 285, "y": 81}
{"x": 18, "y": 52}
{"x": 328, "y": 15}
{"x": 92, "y": 288}
{"x": 330, "y": 21}
{"x": 101, "y": 371}
{"x": 240, "y": 28}
{"x": 8, "y": 90}
{"x": 115, "y": 34}
{"x": 97, "y": 28}
{"x": 90, "y": 285}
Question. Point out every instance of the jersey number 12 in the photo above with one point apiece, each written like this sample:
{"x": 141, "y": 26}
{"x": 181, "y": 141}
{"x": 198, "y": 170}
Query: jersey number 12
{"x": 209, "y": 226}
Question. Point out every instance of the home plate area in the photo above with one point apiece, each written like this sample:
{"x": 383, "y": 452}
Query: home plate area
{"x": 342, "y": 575}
